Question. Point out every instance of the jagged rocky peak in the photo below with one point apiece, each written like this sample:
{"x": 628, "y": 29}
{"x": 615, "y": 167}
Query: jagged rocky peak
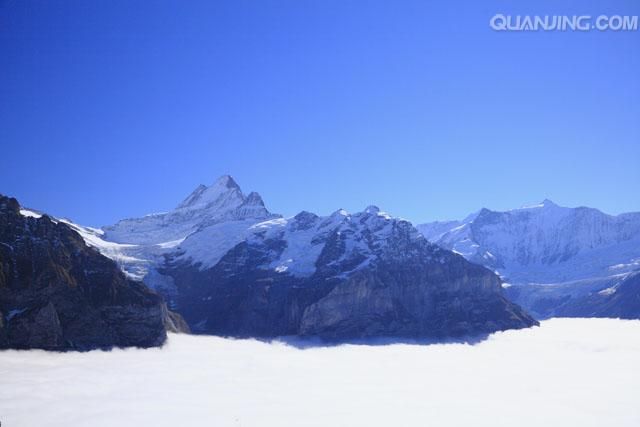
{"x": 372, "y": 209}
{"x": 252, "y": 207}
{"x": 220, "y": 202}
{"x": 305, "y": 216}
{"x": 305, "y": 220}
{"x": 228, "y": 181}
{"x": 254, "y": 199}
{"x": 203, "y": 195}
{"x": 224, "y": 195}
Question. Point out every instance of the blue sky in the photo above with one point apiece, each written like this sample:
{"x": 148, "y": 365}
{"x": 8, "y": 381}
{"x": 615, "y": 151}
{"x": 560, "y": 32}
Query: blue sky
{"x": 112, "y": 109}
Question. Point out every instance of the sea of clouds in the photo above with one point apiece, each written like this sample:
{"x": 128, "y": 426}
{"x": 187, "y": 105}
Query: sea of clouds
{"x": 567, "y": 372}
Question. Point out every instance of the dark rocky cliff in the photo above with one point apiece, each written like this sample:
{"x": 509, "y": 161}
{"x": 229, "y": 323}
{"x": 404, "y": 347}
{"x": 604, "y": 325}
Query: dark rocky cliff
{"x": 56, "y": 293}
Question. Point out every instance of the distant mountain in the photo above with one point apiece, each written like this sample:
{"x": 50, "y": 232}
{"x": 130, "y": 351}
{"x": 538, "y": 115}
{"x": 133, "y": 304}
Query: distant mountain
{"x": 548, "y": 253}
{"x": 621, "y": 300}
{"x": 233, "y": 268}
{"x": 57, "y": 293}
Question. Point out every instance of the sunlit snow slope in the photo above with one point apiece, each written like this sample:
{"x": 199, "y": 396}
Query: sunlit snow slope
{"x": 558, "y": 253}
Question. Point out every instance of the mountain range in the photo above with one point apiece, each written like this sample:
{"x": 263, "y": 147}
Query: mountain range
{"x": 231, "y": 267}
{"x": 555, "y": 261}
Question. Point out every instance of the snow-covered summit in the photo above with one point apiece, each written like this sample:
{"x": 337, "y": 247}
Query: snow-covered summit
{"x": 546, "y": 203}
{"x": 302, "y": 238}
{"x": 202, "y": 196}
{"x": 222, "y": 201}
{"x": 544, "y": 243}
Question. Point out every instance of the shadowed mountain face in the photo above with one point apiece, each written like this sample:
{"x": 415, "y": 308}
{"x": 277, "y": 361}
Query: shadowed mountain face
{"x": 233, "y": 268}
{"x": 551, "y": 255}
{"x": 341, "y": 277}
{"x": 56, "y": 293}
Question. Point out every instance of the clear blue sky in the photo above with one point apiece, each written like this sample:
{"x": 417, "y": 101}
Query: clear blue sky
{"x": 112, "y": 109}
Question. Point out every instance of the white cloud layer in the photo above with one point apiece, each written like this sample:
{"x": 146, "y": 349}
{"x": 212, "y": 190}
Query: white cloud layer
{"x": 568, "y": 372}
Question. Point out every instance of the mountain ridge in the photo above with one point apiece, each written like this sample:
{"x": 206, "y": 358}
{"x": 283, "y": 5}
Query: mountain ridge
{"x": 341, "y": 276}
{"x": 546, "y": 244}
{"x": 234, "y": 268}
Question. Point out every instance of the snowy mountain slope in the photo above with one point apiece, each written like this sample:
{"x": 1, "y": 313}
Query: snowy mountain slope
{"x": 299, "y": 240}
{"x": 340, "y": 276}
{"x": 233, "y": 268}
{"x": 546, "y": 244}
{"x": 139, "y": 245}
{"x": 303, "y": 238}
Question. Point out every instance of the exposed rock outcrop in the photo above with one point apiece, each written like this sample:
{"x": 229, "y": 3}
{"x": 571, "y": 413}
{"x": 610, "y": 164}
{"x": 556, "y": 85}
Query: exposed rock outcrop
{"x": 56, "y": 293}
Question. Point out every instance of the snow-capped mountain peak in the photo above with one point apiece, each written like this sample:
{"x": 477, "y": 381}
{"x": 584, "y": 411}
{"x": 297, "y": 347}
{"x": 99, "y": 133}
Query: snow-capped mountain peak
{"x": 553, "y": 255}
{"x": 544, "y": 206}
{"x": 254, "y": 199}
{"x": 221, "y": 201}
{"x": 372, "y": 209}
{"x": 203, "y": 196}
{"x": 544, "y": 243}
{"x": 219, "y": 214}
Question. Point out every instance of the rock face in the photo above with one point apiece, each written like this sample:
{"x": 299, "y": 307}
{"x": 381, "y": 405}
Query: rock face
{"x": 339, "y": 277}
{"x": 551, "y": 255}
{"x": 56, "y": 293}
